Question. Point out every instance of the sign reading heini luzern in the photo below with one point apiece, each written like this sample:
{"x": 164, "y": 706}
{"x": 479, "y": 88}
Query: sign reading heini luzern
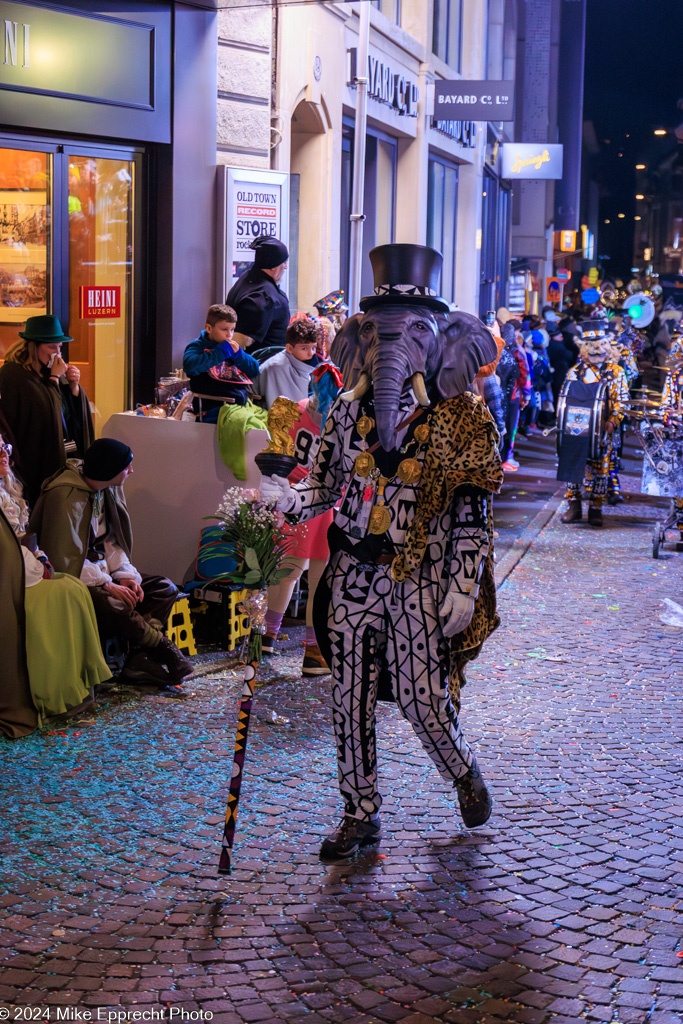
{"x": 98, "y": 303}
{"x": 464, "y": 99}
{"x": 531, "y": 160}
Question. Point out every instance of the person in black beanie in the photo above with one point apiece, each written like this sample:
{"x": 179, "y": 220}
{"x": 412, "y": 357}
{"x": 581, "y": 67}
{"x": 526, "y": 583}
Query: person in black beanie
{"x": 82, "y": 524}
{"x": 262, "y": 307}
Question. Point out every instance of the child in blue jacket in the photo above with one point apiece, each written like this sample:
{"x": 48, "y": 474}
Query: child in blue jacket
{"x": 216, "y": 365}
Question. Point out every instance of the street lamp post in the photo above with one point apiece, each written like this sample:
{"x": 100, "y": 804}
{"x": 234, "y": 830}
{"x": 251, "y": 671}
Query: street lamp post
{"x": 357, "y": 193}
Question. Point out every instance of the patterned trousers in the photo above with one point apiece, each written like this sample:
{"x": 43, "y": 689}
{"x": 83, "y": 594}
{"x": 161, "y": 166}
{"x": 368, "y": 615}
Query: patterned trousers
{"x": 381, "y": 628}
{"x": 678, "y": 513}
{"x": 594, "y": 482}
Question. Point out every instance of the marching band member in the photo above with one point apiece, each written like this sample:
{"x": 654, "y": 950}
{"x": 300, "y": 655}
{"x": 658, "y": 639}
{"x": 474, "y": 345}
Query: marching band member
{"x": 595, "y": 366}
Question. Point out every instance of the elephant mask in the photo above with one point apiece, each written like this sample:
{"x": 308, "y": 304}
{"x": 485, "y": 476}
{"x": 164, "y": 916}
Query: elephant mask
{"x": 393, "y": 346}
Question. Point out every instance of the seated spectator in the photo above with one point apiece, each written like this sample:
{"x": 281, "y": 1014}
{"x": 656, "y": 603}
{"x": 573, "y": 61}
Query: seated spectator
{"x": 58, "y": 651}
{"x": 43, "y": 403}
{"x": 17, "y": 714}
{"x": 216, "y": 365}
{"x": 288, "y": 373}
{"x": 82, "y": 522}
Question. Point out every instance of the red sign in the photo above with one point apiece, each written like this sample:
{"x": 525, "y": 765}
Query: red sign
{"x": 563, "y": 274}
{"x": 100, "y": 302}
{"x": 552, "y": 290}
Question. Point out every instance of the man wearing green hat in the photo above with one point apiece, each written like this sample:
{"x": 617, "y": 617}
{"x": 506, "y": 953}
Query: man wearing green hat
{"x": 43, "y": 403}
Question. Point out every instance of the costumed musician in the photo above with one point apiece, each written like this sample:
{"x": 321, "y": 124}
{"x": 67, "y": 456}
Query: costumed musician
{"x": 595, "y": 367}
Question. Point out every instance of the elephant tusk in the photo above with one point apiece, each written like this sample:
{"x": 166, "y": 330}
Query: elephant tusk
{"x": 419, "y": 390}
{"x": 362, "y": 385}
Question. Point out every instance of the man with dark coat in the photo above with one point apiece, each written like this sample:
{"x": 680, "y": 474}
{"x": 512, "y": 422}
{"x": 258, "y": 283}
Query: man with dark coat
{"x": 262, "y": 307}
{"x": 82, "y": 524}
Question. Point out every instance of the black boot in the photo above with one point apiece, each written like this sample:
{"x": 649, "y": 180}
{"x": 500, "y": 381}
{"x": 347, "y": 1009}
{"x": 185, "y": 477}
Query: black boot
{"x": 573, "y": 513}
{"x": 168, "y": 654}
{"x": 351, "y": 836}
{"x": 614, "y": 498}
{"x": 140, "y": 667}
{"x": 473, "y": 797}
{"x": 594, "y": 516}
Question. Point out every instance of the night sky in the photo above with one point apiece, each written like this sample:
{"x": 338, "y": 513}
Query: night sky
{"x": 633, "y": 81}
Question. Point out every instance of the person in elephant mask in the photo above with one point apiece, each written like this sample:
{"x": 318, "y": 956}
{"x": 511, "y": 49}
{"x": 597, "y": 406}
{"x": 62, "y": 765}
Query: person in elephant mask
{"x": 408, "y": 597}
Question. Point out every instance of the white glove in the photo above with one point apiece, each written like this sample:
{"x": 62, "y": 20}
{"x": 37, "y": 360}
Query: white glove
{"x": 456, "y": 611}
{"x": 277, "y": 491}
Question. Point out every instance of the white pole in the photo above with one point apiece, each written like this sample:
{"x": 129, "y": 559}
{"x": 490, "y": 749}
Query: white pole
{"x": 357, "y": 216}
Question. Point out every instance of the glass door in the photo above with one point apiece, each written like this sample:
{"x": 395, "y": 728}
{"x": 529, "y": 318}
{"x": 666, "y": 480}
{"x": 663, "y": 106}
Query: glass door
{"x": 100, "y": 281}
{"x": 68, "y": 238}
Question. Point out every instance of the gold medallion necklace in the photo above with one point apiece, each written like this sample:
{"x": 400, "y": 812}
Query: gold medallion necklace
{"x": 380, "y": 516}
{"x": 365, "y": 462}
{"x": 409, "y": 472}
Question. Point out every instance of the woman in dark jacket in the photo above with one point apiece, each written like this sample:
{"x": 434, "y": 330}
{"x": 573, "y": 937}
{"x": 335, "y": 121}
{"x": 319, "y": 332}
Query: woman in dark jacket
{"x": 43, "y": 404}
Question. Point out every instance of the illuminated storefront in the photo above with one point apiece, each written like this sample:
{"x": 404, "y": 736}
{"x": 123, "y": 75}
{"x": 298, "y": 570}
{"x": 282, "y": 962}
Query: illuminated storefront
{"x": 89, "y": 186}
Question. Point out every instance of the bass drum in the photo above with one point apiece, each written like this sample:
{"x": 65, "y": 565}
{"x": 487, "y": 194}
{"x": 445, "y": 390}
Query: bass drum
{"x": 583, "y": 409}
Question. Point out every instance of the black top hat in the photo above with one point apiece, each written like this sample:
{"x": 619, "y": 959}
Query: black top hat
{"x": 406, "y": 274}
{"x": 593, "y": 328}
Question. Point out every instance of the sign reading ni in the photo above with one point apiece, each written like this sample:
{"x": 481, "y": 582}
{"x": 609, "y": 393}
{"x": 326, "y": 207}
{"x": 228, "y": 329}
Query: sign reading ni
{"x": 531, "y": 160}
{"x": 100, "y": 303}
{"x": 473, "y": 101}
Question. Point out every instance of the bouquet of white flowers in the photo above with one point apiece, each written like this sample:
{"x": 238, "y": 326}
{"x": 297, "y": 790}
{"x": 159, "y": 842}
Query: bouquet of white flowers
{"x": 253, "y": 532}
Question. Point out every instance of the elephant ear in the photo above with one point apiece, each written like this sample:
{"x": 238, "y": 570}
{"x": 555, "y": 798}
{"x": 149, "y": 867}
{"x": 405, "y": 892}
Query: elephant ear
{"x": 345, "y": 350}
{"x": 467, "y": 346}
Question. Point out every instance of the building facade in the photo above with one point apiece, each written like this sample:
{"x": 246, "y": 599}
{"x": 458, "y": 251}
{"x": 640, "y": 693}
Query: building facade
{"x": 423, "y": 177}
{"x": 549, "y": 88}
{"x": 126, "y": 128}
{"x": 107, "y": 171}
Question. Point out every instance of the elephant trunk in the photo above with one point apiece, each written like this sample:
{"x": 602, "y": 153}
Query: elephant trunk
{"x": 389, "y": 373}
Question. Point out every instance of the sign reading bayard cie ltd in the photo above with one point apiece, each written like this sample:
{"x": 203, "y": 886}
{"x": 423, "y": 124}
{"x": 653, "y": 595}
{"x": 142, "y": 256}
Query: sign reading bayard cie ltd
{"x": 385, "y": 85}
{"x": 473, "y": 101}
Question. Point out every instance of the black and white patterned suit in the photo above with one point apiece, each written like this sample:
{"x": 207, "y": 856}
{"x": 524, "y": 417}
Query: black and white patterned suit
{"x": 381, "y": 631}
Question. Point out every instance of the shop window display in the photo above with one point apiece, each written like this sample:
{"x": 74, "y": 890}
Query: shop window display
{"x": 25, "y": 239}
{"x": 66, "y": 224}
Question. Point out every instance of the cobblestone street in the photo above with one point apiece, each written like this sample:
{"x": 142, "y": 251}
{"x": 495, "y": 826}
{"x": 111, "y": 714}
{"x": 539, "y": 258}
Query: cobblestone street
{"x": 563, "y": 908}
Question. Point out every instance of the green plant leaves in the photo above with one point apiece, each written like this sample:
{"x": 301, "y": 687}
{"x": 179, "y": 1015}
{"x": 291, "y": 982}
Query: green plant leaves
{"x": 251, "y": 558}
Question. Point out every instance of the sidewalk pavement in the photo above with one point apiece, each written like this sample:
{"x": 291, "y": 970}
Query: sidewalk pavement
{"x": 563, "y": 908}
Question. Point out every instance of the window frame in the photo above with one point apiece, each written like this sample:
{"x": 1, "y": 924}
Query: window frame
{"x": 434, "y": 221}
{"x": 443, "y": 52}
{"x": 395, "y": 17}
